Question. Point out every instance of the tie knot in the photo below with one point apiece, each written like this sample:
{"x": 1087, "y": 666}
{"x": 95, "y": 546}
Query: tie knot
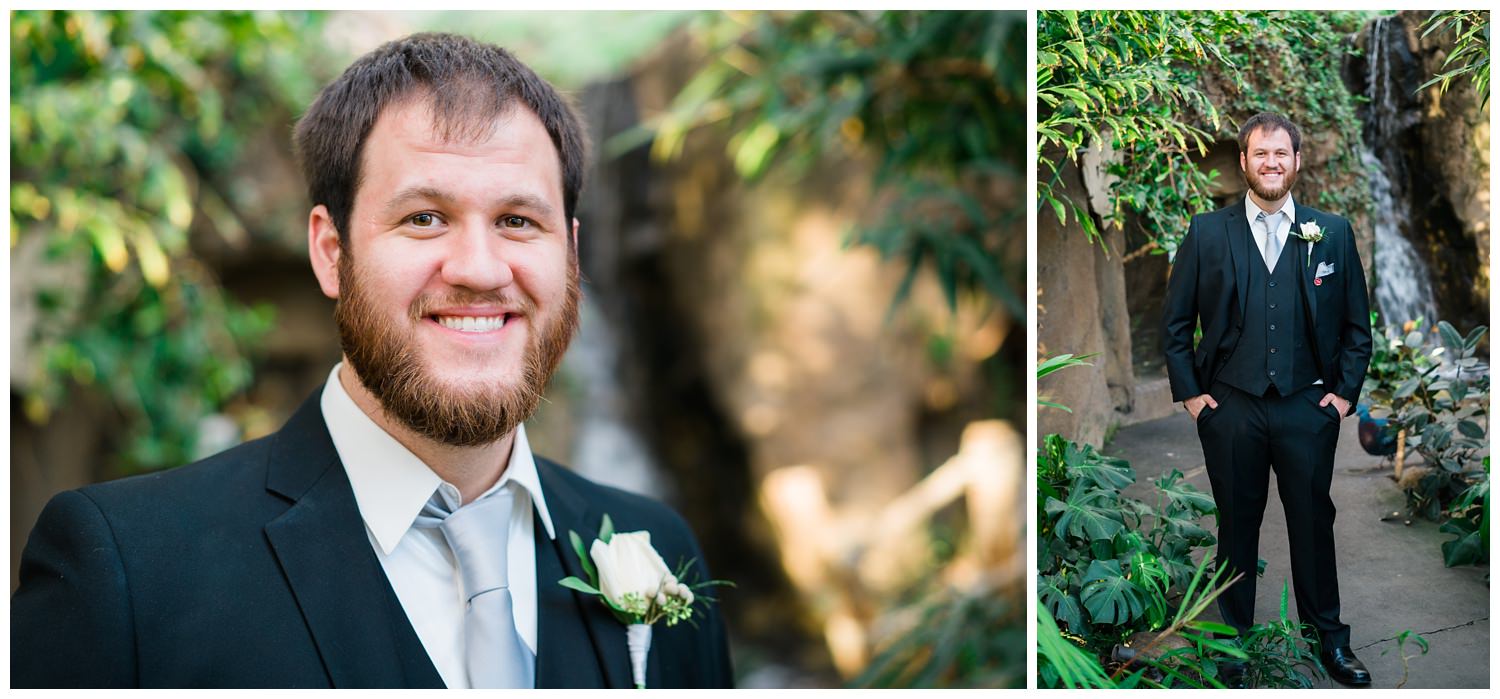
{"x": 478, "y": 533}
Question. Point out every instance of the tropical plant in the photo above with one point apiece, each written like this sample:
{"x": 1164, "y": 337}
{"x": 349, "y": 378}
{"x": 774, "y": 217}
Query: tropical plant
{"x": 1470, "y": 54}
{"x": 1276, "y": 651}
{"x": 1441, "y": 409}
{"x": 1468, "y": 519}
{"x": 935, "y": 98}
{"x": 1052, "y": 364}
{"x": 970, "y": 639}
{"x": 125, "y": 128}
{"x": 1111, "y": 79}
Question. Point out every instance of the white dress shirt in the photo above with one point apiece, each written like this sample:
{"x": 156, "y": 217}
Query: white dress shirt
{"x": 1283, "y": 227}
{"x": 390, "y": 486}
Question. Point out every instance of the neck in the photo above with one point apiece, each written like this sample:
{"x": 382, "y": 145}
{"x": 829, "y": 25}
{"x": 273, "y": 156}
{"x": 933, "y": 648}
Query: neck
{"x": 473, "y": 470}
{"x": 1269, "y": 206}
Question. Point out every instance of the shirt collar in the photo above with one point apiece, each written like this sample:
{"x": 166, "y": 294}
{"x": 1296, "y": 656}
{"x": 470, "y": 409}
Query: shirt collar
{"x": 1252, "y": 210}
{"x": 390, "y": 483}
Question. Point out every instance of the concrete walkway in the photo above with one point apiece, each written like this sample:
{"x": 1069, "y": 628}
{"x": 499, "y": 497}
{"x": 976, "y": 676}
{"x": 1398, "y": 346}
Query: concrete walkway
{"x": 1391, "y": 575}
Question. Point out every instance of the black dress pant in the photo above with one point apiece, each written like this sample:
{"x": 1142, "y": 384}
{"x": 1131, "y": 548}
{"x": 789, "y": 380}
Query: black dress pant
{"x": 1243, "y": 439}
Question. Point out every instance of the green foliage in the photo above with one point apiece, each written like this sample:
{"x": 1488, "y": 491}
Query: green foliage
{"x": 1107, "y": 563}
{"x": 1443, "y": 410}
{"x": 1111, "y": 569}
{"x": 122, "y": 126}
{"x": 1440, "y": 398}
{"x": 1051, "y": 364}
{"x": 1471, "y": 52}
{"x": 1401, "y": 640}
{"x": 973, "y": 639}
{"x": 937, "y": 98}
{"x": 1469, "y": 521}
{"x": 1138, "y": 84}
{"x": 1112, "y": 79}
{"x": 1276, "y": 651}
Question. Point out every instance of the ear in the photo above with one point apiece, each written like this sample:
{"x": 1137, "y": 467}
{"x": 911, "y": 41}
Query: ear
{"x": 1242, "y": 162}
{"x": 1297, "y": 161}
{"x": 575, "y": 234}
{"x": 323, "y": 250}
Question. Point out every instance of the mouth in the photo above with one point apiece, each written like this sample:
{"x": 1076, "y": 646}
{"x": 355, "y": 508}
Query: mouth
{"x": 472, "y": 324}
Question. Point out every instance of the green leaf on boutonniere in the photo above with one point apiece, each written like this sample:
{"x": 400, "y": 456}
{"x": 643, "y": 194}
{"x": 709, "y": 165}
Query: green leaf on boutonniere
{"x": 583, "y": 555}
{"x": 573, "y": 583}
{"x": 606, "y": 529}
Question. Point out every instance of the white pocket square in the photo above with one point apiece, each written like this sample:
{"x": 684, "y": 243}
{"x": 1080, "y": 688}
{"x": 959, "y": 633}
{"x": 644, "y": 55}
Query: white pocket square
{"x": 1324, "y": 269}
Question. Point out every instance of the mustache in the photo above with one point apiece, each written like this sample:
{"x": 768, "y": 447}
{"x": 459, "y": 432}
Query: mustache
{"x": 426, "y": 304}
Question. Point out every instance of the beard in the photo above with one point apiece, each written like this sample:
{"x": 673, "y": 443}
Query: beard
{"x": 387, "y": 360}
{"x": 1288, "y": 178}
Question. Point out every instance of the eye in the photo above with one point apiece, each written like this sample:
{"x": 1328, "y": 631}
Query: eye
{"x": 514, "y": 221}
{"x": 423, "y": 220}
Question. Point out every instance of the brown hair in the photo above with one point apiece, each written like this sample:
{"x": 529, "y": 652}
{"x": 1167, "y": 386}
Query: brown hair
{"x": 1272, "y": 122}
{"x": 467, "y": 83}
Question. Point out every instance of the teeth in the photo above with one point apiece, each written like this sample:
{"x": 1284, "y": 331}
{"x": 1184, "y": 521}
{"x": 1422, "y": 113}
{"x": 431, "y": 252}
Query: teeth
{"x": 472, "y": 324}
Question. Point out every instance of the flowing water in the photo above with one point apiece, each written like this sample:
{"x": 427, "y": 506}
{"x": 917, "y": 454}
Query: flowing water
{"x": 1403, "y": 284}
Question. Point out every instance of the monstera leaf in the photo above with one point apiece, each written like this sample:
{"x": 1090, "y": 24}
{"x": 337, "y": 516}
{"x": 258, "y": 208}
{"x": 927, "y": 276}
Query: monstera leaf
{"x": 1087, "y": 514}
{"x": 1053, "y": 592}
{"x": 1468, "y": 548}
{"x": 1088, "y": 467}
{"x": 1182, "y": 494}
{"x": 1109, "y": 597}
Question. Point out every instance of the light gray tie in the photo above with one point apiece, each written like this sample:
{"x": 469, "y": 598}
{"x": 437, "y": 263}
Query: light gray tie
{"x": 1270, "y": 222}
{"x": 478, "y": 533}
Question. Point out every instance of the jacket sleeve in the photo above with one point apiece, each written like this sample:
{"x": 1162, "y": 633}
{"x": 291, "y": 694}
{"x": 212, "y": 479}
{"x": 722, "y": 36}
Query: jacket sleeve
{"x": 1180, "y": 318}
{"x": 70, "y": 618}
{"x": 1354, "y": 337}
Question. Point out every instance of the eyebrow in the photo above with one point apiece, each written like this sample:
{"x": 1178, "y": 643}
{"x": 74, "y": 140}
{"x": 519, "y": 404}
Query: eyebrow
{"x": 422, "y": 192}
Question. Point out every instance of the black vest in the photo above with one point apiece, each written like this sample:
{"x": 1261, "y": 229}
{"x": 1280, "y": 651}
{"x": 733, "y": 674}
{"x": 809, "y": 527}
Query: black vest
{"x": 1274, "y": 346}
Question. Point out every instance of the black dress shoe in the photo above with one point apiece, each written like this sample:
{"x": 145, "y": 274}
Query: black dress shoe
{"x": 1344, "y": 668}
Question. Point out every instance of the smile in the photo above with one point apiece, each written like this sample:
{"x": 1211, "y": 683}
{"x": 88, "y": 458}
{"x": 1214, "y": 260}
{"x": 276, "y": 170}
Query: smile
{"x": 472, "y": 324}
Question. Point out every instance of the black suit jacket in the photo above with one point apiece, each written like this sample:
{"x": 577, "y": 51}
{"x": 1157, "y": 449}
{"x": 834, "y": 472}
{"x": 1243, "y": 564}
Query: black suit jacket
{"x": 1208, "y": 283}
{"x": 252, "y": 569}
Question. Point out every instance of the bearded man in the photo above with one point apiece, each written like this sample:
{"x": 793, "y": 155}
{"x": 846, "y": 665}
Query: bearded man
{"x": 397, "y": 531}
{"x": 1279, "y": 292}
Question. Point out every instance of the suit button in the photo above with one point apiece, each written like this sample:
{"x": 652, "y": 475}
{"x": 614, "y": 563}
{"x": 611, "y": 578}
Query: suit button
{"x": 1273, "y": 372}
{"x": 1273, "y": 306}
{"x": 1273, "y": 350}
{"x": 1273, "y": 326}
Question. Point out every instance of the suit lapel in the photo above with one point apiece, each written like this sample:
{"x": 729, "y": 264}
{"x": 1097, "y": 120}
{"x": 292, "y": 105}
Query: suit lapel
{"x": 571, "y": 626}
{"x": 1237, "y": 229}
{"x": 361, "y": 631}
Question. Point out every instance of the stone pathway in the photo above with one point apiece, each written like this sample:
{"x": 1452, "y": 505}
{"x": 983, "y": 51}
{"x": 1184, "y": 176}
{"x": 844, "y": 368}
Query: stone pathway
{"x": 1391, "y": 575}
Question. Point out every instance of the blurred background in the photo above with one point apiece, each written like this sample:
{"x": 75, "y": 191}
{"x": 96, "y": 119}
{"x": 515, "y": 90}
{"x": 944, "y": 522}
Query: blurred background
{"x": 803, "y": 249}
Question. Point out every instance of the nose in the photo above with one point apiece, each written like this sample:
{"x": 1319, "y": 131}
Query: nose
{"x": 476, "y": 259}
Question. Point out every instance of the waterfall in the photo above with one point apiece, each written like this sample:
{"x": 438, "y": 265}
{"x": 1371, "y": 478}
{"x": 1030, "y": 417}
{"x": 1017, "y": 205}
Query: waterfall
{"x": 1403, "y": 285}
{"x": 607, "y": 447}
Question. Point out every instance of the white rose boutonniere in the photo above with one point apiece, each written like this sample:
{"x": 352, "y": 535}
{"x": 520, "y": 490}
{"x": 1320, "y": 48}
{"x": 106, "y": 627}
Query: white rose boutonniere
{"x": 1313, "y": 234}
{"x": 631, "y": 579}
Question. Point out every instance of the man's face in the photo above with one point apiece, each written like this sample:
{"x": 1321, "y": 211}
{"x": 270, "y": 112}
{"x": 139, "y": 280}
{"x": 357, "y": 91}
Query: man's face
{"x": 458, "y": 290}
{"x": 1270, "y": 165}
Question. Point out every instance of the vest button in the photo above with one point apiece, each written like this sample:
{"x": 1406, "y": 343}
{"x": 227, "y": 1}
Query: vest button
{"x": 1273, "y": 372}
{"x": 1273, "y": 350}
{"x": 1273, "y": 326}
{"x": 1273, "y": 283}
{"x": 1273, "y": 306}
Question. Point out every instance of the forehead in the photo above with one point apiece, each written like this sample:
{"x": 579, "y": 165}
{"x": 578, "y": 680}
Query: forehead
{"x": 408, "y": 146}
{"x": 1269, "y": 138}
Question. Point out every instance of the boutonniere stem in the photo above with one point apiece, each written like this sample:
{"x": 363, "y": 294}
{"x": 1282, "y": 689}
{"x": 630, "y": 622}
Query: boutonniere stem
{"x": 1311, "y": 233}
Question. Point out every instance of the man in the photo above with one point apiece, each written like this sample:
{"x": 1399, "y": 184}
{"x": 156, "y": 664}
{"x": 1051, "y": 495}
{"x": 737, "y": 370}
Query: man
{"x": 345, "y": 549}
{"x": 1280, "y": 294}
